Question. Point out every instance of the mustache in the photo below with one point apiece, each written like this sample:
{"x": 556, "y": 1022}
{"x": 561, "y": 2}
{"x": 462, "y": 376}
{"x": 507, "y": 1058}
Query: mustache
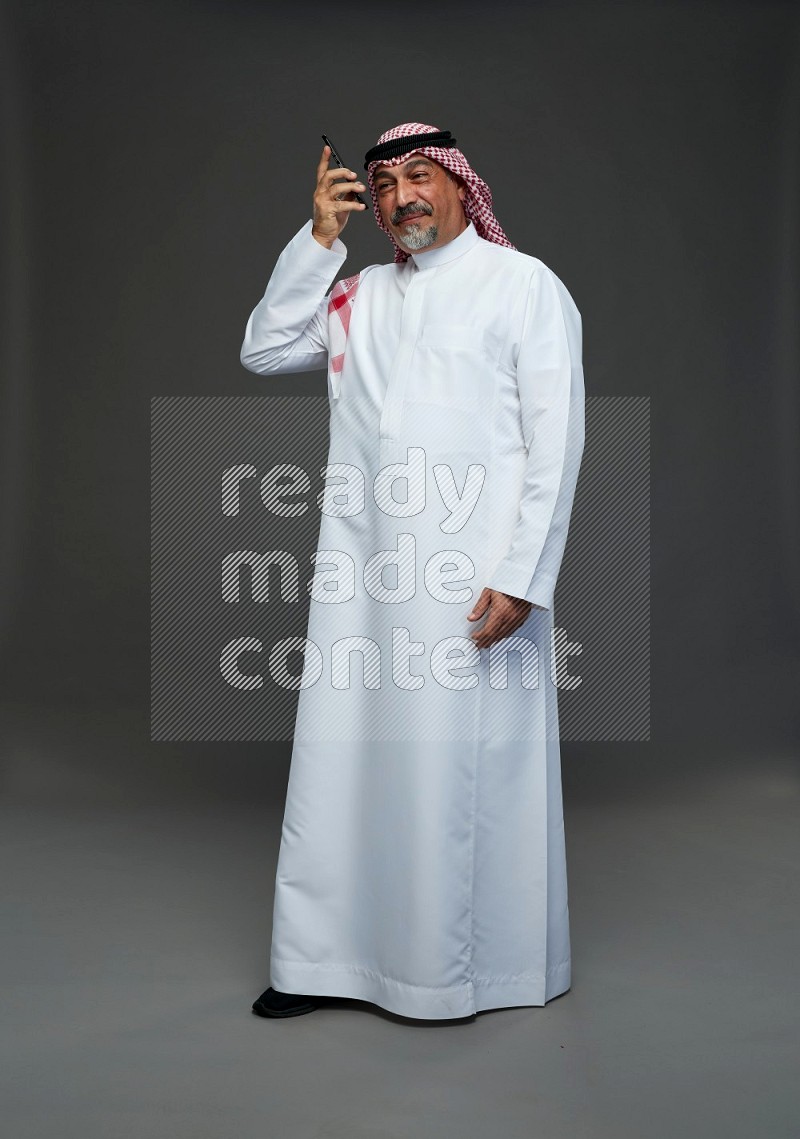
{"x": 414, "y": 208}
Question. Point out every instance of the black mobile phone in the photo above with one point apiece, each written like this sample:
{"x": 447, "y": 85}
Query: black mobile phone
{"x": 338, "y": 161}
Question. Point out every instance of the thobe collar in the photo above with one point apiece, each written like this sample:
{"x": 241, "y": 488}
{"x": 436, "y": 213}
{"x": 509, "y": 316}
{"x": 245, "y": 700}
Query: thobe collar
{"x": 427, "y": 258}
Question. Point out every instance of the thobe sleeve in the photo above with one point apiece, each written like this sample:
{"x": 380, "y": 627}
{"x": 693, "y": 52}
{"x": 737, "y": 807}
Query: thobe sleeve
{"x": 288, "y": 329}
{"x": 551, "y": 395}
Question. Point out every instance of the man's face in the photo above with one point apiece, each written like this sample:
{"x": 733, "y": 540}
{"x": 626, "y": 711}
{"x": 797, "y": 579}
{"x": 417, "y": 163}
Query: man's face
{"x": 420, "y": 203}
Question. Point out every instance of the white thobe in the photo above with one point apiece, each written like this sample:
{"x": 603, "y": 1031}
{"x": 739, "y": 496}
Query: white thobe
{"x": 422, "y": 864}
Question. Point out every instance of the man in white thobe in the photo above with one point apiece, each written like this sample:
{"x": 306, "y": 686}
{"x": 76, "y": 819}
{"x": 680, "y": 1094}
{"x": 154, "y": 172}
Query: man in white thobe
{"x": 422, "y": 864}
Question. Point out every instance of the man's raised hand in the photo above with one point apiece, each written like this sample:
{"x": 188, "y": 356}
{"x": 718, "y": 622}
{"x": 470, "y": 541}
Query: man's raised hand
{"x": 333, "y": 204}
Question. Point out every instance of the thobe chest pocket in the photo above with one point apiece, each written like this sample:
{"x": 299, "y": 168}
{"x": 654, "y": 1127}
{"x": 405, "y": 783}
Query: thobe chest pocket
{"x": 449, "y": 363}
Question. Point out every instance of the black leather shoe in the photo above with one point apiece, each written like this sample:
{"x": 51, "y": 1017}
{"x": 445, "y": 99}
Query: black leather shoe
{"x": 273, "y": 1003}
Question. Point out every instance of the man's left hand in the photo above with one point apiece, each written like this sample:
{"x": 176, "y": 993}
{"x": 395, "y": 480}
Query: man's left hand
{"x": 506, "y": 613}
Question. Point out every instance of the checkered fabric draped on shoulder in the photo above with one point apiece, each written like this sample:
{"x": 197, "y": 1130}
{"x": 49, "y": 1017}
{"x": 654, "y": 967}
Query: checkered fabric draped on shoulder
{"x": 340, "y": 308}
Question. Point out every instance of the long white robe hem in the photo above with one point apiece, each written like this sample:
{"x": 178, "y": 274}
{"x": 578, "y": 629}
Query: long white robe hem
{"x": 417, "y": 1001}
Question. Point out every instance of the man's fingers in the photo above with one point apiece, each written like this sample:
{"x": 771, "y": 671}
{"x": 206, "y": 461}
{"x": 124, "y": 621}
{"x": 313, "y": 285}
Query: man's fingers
{"x": 491, "y": 632}
{"x": 487, "y": 637}
{"x": 481, "y": 605}
{"x": 339, "y": 191}
{"x": 323, "y": 162}
{"x": 328, "y": 174}
{"x": 340, "y": 174}
{"x": 502, "y": 621}
{"x": 331, "y": 208}
{"x": 343, "y": 193}
{"x": 494, "y": 622}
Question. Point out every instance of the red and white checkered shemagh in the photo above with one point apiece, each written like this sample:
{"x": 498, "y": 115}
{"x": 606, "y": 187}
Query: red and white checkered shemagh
{"x": 477, "y": 208}
{"x": 478, "y": 200}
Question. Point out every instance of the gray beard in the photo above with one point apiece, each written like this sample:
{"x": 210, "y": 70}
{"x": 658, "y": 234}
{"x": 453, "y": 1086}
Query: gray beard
{"x": 415, "y": 237}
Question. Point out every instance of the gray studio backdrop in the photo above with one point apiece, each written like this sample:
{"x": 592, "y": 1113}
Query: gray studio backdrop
{"x": 158, "y": 156}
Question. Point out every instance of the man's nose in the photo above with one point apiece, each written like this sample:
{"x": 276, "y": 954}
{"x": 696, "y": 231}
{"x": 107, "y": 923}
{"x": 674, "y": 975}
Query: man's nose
{"x": 405, "y": 193}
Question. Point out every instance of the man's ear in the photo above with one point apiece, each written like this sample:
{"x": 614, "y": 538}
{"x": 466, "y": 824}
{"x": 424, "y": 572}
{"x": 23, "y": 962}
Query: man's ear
{"x": 461, "y": 185}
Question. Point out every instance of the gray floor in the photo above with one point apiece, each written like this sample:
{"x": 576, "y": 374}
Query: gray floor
{"x": 139, "y": 883}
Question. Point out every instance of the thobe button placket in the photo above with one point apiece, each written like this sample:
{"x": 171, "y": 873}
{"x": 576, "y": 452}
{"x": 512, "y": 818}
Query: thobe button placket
{"x": 410, "y": 321}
